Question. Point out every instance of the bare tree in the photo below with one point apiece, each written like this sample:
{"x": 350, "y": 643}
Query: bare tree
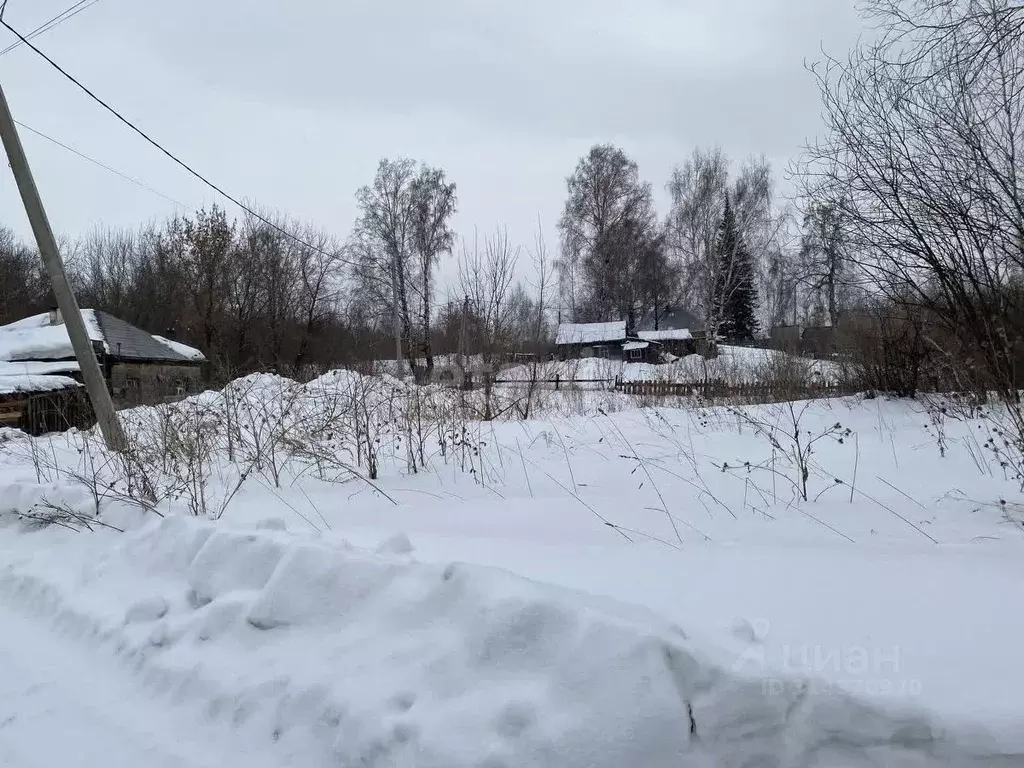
{"x": 698, "y": 189}
{"x": 402, "y": 230}
{"x": 382, "y": 245}
{"x": 23, "y": 287}
{"x": 487, "y": 280}
{"x": 318, "y": 266}
{"x": 537, "y": 330}
{"x": 209, "y": 241}
{"x": 823, "y": 258}
{"x": 433, "y": 202}
{"x": 923, "y": 151}
{"x": 607, "y": 212}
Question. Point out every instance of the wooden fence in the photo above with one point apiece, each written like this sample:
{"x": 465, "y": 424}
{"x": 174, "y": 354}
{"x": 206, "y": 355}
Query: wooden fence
{"x": 707, "y": 390}
{"x": 556, "y": 380}
{"x": 720, "y": 390}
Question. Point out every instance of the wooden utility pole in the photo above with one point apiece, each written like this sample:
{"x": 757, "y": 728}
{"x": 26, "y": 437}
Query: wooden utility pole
{"x": 95, "y": 385}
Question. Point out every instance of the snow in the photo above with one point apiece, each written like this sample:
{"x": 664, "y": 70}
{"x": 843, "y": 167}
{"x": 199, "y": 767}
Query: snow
{"x": 38, "y": 367}
{"x": 590, "y": 333}
{"x": 582, "y": 589}
{"x": 629, "y": 346}
{"x": 345, "y": 655}
{"x": 673, "y": 334}
{"x": 61, "y": 705}
{"x": 12, "y": 381}
{"x": 34, "y": 338}
{"x": 182, "y": 349}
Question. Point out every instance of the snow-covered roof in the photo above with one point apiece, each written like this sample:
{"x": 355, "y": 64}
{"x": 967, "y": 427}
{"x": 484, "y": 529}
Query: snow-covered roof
{"x": 182, "y": 349}
{"x": 673, "y": 334}
{"x": 12, "y": 382}
{"x": 38, "y": 368}
{"x": 37, "y": 338}
{"x": 590, "y": 333}
{"x": 629, "y": 346}
{"x": 34, "y": 338}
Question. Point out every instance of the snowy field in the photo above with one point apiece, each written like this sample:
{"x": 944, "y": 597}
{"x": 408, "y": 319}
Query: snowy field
{"x": 374, "y": 579}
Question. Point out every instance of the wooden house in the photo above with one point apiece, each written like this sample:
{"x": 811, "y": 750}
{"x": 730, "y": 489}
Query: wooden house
{"x": 677, "y": 330}
{"x": 583, "y": 340}
{"x": 138, "y": 366}
{"x": 674, "y": 341}
{"x": 610, "y": 341}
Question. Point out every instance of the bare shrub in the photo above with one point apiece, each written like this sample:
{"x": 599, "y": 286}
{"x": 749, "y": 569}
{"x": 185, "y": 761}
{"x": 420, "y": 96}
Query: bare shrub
{"x": 793, "y": 447}
{"x": 883, "y": 349}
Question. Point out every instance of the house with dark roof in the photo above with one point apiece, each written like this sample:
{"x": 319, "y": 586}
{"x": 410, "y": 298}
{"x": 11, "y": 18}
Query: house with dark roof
{"x": 678, "y": 330}
{"x": 612, "y": 341}
{"x": 138, "y": 366}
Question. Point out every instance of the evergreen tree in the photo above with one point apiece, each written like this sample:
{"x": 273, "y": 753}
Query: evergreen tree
{"x": 735, "y": 291}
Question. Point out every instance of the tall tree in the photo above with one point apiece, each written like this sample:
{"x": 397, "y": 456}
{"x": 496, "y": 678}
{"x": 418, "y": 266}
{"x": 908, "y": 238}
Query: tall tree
{"x": 382, "y": 245}
{"x": 404, "y": 227}
{"x": 433, "y": 202}
{"x": 609, "y": 212}
{"x": 735, "y": 287}
{"x": 823, "y": 257}
{"x": 209, "y": 240}
{"x": 698, "y": 189}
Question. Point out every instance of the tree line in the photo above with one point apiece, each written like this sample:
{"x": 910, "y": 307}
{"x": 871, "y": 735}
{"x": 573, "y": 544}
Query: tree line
{"x": 269, "y": 292}
{"x": 911, "y": 206}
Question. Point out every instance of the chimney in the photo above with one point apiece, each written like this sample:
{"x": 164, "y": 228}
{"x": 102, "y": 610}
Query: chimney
{"x": 56, "y": 318}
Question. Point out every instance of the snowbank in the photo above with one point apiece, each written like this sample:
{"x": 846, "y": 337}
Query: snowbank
{"x": 355, "y": 657}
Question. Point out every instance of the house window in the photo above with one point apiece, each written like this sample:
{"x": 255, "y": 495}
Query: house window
{"x": 636, "y": 354}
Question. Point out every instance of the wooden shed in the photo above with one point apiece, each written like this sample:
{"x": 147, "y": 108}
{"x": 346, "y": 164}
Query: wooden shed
{"x": 38, "y": 404}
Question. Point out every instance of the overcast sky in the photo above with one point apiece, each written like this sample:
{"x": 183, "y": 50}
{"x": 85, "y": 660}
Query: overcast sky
{"x": 293, "y": 103}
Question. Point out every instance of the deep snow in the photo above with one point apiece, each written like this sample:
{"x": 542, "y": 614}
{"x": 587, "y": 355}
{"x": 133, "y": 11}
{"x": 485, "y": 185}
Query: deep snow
{"x": 62, "y": 705}
{"x": 337, "y": 656}
{"x": 681, "y": 535}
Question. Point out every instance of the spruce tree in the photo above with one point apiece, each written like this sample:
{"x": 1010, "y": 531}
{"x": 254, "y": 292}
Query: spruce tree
{"x": 735, "y": 291}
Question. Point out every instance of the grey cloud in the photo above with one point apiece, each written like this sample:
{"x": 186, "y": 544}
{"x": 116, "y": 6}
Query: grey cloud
{"x": 292, "y": 103}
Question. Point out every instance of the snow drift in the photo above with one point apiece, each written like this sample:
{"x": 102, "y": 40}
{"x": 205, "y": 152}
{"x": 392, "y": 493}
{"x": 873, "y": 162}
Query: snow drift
{"x": 355, "y": 657}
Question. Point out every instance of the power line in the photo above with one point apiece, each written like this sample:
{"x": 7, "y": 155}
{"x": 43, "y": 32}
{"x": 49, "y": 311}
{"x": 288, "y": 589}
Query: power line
{"x": 56, "y": 21}
{"x": 104, "y": 166}
{"x": 166, "y": 151}
{"x": 60, "y": 18}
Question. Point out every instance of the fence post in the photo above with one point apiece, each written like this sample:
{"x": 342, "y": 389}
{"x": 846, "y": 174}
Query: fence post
{"x": 557, "y": 377}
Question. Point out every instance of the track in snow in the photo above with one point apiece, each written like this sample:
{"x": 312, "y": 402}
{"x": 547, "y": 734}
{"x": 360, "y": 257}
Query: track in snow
{"x": 61, "y": 705}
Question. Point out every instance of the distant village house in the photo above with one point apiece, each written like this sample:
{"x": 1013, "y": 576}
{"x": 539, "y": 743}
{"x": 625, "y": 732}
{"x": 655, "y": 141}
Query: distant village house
{"x": 677, "y": 335}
